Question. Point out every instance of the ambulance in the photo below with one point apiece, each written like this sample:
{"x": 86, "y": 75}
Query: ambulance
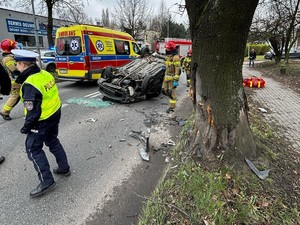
{"x": 82, "y": 51}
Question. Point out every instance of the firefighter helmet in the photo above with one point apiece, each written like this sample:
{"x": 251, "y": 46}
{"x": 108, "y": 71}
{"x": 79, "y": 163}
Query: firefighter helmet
{"x": 7, "y": 45}
{"x": 189, "y": 52}
{"x": 170, "y": 46}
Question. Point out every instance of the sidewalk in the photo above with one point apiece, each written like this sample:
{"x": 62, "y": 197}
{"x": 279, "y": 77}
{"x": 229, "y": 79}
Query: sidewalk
{"x": 282, "y": 105}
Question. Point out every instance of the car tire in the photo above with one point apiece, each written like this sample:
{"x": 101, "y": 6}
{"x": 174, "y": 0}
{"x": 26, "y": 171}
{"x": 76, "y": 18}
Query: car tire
{"x": 51, "y": 67}
{"x": 147, "y": 87}
{"x": 107, "y": 73}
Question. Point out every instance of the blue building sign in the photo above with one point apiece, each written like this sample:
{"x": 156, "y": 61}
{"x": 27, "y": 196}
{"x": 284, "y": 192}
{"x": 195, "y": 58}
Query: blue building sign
{"x": 25, "y": 27}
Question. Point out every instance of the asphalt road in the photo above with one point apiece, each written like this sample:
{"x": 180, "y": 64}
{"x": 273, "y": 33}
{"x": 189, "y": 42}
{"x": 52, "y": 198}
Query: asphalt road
{"x": 109, "y": 178}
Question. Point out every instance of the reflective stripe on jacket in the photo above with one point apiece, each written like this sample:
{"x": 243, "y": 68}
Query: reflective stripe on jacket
{"x": 172, "y": 65}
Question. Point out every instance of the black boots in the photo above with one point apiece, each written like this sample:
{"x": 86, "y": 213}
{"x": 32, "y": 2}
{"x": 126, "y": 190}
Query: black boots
{"x": 41, "y": 189}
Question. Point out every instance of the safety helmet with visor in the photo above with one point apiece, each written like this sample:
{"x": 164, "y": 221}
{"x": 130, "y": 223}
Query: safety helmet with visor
{"x": 7, "y": 45}
{"x": 170, "y": 46}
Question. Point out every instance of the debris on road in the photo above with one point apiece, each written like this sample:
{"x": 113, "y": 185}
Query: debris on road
{"x": 262, "y": 110}
{"x": 91, "y": 120}
{"x": 145, "y": 156}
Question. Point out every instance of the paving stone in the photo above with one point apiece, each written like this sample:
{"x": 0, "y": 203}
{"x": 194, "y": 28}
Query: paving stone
{"x": 282, "y": 104}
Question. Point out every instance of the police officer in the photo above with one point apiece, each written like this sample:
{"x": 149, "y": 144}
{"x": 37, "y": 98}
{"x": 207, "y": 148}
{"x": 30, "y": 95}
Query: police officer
{"x": 5, "y": 87}
{"x": 9, "y": 64}
{"x": 172, "y": 74}
{"x": 42, "y": 105}
{"x": 186, "y": 66}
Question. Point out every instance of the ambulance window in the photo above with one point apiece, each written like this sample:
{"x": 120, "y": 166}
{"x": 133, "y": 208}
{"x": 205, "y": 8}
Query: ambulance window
{"x": 122, "y": 47}
{"x": 136, "y": 48}
{"x": 68, "y": 46}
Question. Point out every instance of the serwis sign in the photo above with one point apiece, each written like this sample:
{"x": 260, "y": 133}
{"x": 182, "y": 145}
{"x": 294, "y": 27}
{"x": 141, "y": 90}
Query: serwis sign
{"x": 25, "y": 27}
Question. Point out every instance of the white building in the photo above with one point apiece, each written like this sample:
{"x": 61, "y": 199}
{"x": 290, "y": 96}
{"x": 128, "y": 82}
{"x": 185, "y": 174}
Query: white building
{"x": 20, "y": 27}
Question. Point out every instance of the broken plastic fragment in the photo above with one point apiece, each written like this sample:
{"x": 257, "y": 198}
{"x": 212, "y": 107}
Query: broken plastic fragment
{"x": 261, "y": 174}
{"x": 144, "y": 154}
{"x": 262, "y": 110}
{"x": 171, "y": 143}
{"x": 92, "y": 120}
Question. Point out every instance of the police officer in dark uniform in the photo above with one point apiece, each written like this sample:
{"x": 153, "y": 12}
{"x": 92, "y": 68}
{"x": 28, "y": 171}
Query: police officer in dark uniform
{"x": 5, "y": 87}
{"x": 42, "y": 105}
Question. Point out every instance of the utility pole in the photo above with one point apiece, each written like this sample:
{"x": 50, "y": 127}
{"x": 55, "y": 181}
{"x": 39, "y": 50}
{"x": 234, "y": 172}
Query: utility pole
{"x": 36, "y": 34}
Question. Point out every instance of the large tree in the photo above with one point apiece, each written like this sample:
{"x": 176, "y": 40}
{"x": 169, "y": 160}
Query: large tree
{"x": 219, "y": 31}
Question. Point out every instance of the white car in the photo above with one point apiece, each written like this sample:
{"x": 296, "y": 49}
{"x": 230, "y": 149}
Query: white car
{"x": 48, "y": 60}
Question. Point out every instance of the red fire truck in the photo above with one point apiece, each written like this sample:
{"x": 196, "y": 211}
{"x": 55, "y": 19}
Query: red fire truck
{"x": 183, "y": 45}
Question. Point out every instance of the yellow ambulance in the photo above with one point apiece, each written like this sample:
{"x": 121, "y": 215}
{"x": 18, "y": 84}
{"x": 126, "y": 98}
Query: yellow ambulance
{"x": 82, "y": 51}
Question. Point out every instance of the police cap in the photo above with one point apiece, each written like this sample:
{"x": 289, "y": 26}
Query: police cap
{"x": 24, "y": 55}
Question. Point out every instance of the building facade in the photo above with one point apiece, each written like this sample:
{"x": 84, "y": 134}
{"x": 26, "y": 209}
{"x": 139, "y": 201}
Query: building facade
{"x": 20, "y": 27}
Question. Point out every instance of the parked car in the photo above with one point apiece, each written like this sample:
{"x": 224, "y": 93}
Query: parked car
{"x": 269, "y": 55}
{"x": 48, "y": 60}
{"x": 138, "y": 80}
{"x": 292, "y": 55}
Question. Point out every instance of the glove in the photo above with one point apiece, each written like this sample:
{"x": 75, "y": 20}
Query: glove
{"x": 176, "y": 77}
{"x": 24, "y": 130}
{"x": 175, "y": 84}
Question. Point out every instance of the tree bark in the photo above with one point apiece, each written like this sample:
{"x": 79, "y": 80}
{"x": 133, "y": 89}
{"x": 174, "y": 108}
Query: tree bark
{"x": 50, "y": 23}
{"x": 219, "y": 31}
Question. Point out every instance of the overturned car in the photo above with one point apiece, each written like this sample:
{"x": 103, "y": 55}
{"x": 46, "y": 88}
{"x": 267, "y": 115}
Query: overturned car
{"x": 138, "y": 80}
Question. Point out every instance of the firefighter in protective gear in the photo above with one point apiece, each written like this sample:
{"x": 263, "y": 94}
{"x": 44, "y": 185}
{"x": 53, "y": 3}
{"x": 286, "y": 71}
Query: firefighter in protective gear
{"x": 9, "y": 64}
{"x": 172, "y": 74}
{"x": 5, "y": 87}
{"x": 42, "y": 104}
{"x": 186, "y": 66}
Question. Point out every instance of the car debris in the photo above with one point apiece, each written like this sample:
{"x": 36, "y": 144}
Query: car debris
{"x": 145, "y": 156}
{"x": 262, "y": 110}
{"x": 171, "y": 143}
{"x": 92, "y": 120}
{"x": 138, "y": 80}
{"x": 261, "y": 174}
{"x": 143, "y": 137}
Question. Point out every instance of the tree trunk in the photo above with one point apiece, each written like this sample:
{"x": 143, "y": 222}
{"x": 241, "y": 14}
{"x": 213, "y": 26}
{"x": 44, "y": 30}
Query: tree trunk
{"x": 50, "y": 23}
{"x": 219, "y": 30}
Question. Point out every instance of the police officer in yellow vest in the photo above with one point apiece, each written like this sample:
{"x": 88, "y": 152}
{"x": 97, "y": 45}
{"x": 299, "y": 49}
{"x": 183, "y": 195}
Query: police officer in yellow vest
{"x": 42, "y": 105}
{"x": 172, "y": 74}
{"x": 186, "y": 66}
{"x": 9, "y": 64}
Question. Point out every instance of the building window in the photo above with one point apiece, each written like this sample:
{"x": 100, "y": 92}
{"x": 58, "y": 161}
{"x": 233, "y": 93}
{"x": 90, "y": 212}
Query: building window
{"x": 28, "y": 41}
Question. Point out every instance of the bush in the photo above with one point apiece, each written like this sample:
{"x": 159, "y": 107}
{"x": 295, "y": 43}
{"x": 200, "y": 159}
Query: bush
{"x": 260, "y": 49}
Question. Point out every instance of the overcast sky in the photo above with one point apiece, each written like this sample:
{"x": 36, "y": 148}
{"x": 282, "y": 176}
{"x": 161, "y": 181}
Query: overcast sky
{"x": 95, "y": 7}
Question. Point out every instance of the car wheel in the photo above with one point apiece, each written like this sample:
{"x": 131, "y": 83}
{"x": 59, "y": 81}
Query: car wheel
{"x": 51, "y": 67}
{"x": 107, "y": 73}
{"x": 152, "y": 86}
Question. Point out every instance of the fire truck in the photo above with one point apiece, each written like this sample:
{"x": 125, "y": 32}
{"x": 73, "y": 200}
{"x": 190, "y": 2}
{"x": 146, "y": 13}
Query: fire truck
{"x": 183, "y": 45}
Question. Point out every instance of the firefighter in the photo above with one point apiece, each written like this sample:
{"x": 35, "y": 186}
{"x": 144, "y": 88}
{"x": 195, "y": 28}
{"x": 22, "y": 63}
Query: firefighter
{"x": 186, "y": 66}
{"x": 5, "y": 87}
{"x": 9, "y": 64}
{"x": 172, "y": 74}
{"x": 42, "y": 105}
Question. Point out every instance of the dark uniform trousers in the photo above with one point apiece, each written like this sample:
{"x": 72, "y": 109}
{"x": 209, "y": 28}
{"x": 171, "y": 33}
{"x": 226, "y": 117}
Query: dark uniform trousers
{"x": 34, "y": 148}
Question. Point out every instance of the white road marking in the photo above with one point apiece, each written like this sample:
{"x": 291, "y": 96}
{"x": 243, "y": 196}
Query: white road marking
{"x": 91, "y": 94}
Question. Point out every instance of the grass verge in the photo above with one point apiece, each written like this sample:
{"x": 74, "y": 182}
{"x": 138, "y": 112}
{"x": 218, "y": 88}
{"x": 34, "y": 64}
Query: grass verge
{"x": 190, "y": 194}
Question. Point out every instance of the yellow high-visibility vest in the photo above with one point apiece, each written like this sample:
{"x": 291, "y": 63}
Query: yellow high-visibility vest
{"x": 45, "y": 83}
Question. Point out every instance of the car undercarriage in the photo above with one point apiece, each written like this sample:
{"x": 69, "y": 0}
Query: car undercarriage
{"x": 138, "y": 80}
